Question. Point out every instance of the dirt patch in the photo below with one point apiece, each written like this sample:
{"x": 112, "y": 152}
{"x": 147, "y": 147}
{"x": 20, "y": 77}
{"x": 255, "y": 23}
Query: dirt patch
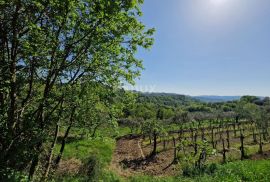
{"x": 264, "y": 155}
{"x": 69, "y": 167}
{"x": 130, "y": 158}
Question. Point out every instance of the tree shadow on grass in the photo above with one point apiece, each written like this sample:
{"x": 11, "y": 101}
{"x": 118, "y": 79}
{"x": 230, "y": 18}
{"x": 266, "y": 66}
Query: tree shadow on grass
{"x": 129, "y": 137}
{"x": 260, "y": 156}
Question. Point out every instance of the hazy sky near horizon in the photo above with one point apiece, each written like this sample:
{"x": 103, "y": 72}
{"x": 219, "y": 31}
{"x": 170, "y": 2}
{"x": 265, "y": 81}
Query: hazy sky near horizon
{"x": 207, "y": 47}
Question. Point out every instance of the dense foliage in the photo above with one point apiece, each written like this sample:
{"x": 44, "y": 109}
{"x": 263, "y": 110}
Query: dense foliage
{"x": 62, "y": 64}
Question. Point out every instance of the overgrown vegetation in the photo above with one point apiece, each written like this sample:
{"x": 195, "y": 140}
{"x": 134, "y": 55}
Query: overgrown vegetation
{"x": 63, "y": 109}
{"x": 62, "y": 66}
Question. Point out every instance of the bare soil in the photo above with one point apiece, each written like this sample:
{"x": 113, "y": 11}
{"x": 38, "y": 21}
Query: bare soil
{"x": 131, "y": 158}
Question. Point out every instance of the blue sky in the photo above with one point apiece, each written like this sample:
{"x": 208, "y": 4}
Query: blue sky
{"x": 207, "y": 47}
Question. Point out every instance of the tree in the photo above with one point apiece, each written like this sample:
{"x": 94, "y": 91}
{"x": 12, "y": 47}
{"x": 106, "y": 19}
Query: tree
{"x": 160, "y": 114}
{"x": 49, "y": 46}
{"x": 153, "y": 129}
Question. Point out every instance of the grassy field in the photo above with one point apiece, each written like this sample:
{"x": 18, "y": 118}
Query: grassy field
{"x": 101, "y": 149}
{"x": 231, "y": 172}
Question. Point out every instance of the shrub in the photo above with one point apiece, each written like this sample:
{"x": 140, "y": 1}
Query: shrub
{"x": 192, "y": 171}
{"x": 92, "y": 168}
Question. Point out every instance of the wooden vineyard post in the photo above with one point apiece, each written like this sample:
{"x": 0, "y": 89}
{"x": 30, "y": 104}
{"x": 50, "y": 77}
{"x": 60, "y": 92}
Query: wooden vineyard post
{"x": 223, "y": 151}
{"x": 220, "y": 135}
{"x": 216, "y": 135}
{"x": 203, "y": 134}
{"x": 164, "y": 144}
{"x": 213, "y": 138}
{"x": 234, "y": 129}
{"x": 181, "y": 134}
{"x": 228, "y": 138}
{"x": 266, "y": 130}
{"x": 242, "y": 149}
{"x": 260, "y": 144}
{"x": 155, "y": 144}
{"x": 174, "y": 153}
{"x": 218, "y": 130}
{"x": 195, "y": 144}
{"x": 264, "y": 134}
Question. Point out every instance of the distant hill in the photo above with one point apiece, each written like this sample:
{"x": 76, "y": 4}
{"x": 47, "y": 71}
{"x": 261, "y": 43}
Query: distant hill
{"x": 214, "y": 98}
{"x": 171, "y": 99}
{"x": 166, "y": 99}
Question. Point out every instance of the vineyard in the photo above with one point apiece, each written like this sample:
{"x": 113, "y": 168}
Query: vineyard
{"x": 194, "y": 147}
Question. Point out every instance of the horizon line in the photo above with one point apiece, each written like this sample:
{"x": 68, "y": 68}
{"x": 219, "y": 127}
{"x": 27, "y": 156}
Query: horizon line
{"x": 203, "y": 95}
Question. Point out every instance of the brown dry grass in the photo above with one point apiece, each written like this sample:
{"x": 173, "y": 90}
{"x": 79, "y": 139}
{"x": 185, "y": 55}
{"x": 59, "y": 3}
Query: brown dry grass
{"x": 69, "y": 167}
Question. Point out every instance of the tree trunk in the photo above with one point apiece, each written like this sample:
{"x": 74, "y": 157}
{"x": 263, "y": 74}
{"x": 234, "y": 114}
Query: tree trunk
{"x": 223, "y": 151}
{"x": 58, "y": 159}
{"x": 154, "y": 152}
{"x": 213, "y": 138}
{"x": 195, "y": 144}
{"x": 47, "y": 169}
{"x": 264, "y": 134}
{"x": 34, "y": 163}
{"x": 203, "y": 134}
{"x": 164, "y": 144}
{"x": 260, "y": 145}
{"x": 174, "y": 153}
{"x": 228, "y": 139}
{"x": 242, "y": 149}
{"x": 12, "y": 69}
{"x": 234, "y": 129}
{"x": 220, "y": 135}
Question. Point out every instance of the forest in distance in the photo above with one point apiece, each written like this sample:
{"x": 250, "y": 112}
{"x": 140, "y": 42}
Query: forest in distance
{"x": 65, "y": 115}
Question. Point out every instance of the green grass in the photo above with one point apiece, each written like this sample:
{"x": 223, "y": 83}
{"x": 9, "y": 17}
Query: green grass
{"x": 231, "y": 172}
{"x": 106, "y": 176}
{"x": 101, "y": 148}
{"x": 242, "y": 171}
{"x": 151, "y": 179}
{"x": 112, "y": 132}
{"x": 122, "y": 131}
